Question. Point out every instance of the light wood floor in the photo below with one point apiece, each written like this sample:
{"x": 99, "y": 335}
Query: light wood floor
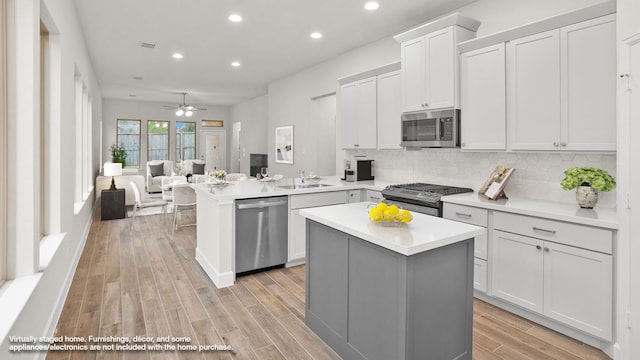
{"x": 145, "y": 284}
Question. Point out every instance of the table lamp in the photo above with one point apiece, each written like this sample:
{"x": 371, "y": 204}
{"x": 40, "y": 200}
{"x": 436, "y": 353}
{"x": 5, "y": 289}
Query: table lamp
{"x": 112, "y": 169}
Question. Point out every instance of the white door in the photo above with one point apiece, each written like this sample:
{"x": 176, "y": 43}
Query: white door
{"x": 630, "y": 92}
{"x": 389, "y": 110}
{"x": 323, "y": 115}
{"x": 367, "y": 113}
{"x": 534, "y": 91}
{"x": 588, "y": 55}
{"x": 212, "y": 149}
{"x": 482, "y": 87}
{"x": 235, "y": 148}
{"x": 348, "y": 115}
{"x": 414, "y": 68}
{"x": 517, "y": 269}
{"x": 578, "y": 288}
{"x": 440, "y": 68}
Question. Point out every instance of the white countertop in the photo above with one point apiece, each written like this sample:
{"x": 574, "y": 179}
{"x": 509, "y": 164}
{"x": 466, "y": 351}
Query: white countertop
{"x": 245, "y": 189}
{"x": 422, "y": 234}
{"x": 600, "y": 217}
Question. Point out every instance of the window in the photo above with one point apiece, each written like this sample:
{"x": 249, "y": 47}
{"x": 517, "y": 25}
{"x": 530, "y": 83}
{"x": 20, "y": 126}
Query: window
{"x": 83, "y": 183}
{"x": 128, "y": 137}
{"x": 185, "y": 140}
{"x": 157, "y": 140}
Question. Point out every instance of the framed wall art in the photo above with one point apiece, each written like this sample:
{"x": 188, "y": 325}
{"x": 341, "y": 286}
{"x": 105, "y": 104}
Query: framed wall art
{"x": 284, "y": 144}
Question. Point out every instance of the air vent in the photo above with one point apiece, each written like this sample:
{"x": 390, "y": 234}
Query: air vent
{"x": 148, "y": 45}
{"x": 137, "y": 77}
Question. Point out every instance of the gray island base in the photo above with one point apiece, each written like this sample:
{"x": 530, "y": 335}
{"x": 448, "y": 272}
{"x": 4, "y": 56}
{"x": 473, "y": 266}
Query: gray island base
{"x": 369, "y": 302}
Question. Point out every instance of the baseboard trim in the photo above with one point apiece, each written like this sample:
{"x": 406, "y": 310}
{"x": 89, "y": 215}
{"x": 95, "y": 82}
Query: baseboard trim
{"x": 221, "y": 280}
{"x": 296, "y": 262}
{"x": 52, "y": 323}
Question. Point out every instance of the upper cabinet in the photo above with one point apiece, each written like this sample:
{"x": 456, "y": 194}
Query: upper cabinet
{"x": 483, "y": 98}
{"x": 534, "y": 91}
{"x": 389, "y": 110}
{"x": 429, "y": 60}
{"x": 370, "y": 109}
{"x": 358, "y": 113}
{"x": 545, "y": 86}
{"x": 562, "y": 88}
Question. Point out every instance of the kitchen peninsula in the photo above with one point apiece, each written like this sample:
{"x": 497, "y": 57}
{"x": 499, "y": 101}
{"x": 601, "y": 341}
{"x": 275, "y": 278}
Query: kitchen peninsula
{"x": 216, "y": 215}
{"x": 377, "y": 292}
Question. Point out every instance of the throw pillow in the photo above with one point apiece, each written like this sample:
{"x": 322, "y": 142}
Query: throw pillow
{"x": 156, "y": 170}
{"x": 198, "y": 169}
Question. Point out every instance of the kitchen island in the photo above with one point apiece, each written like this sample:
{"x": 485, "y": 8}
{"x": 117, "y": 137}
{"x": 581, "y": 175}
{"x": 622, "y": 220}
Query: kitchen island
{"x": 216, "y": 216}
{"x": 377, "y": 292}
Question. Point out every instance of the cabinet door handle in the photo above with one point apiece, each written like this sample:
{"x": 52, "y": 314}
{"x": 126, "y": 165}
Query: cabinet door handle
{"x": 543, "y": 230}
{"x": 463, "y": 214}
{"x": 563, "y": 144}
{"x": 556, "y": 144}
{"x": 538, "y": 247}
{"x": 546, "y": 249}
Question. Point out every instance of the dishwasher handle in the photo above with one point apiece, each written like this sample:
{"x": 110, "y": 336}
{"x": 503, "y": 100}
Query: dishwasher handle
{"x": 261, "y": 205}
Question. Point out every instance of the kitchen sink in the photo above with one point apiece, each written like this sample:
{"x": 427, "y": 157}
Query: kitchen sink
{"x": 303, "y": 186}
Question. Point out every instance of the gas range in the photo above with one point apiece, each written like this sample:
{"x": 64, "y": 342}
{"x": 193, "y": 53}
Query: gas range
{"x": 421, "y": 197}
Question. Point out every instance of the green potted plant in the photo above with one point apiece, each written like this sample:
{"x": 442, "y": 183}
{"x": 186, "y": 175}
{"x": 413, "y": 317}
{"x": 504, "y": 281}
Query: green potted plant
{"x": 118, "y": 155}
{"x": 587, "y": 181}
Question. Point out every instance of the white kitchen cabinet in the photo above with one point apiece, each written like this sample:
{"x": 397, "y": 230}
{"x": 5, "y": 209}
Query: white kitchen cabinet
{"x": 483, "y": 99}
{"x": 297, "y": 223}
{"x": 354, "y": 196}
{"x": 534, "y": 91}
{"x": 372, "y": 196}
{"x": 578, "y": 288}
{"x": 389, "y": 110}
{"x": 561, "y": 88}
{"x": 479, "y": 217}
{"x": 517, "y": 270}
{"x": 588, "y": 84}
{"x": 570, "y": 284}
{"x": 429, "y": 69}
{"x": 358, "y": 104}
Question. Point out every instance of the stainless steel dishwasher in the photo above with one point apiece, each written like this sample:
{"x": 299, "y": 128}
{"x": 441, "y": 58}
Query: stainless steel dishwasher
{"x": 261, "y": 233}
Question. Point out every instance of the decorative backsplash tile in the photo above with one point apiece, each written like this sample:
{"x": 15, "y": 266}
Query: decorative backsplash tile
{"x": 537, "y": 175}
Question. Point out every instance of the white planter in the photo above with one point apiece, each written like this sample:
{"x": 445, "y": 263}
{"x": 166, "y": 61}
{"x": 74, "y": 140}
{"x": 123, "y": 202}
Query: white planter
{"x": 586, "y": 196}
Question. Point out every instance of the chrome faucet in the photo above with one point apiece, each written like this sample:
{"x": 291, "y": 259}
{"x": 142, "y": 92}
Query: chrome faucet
{"x": 301, "y": 172}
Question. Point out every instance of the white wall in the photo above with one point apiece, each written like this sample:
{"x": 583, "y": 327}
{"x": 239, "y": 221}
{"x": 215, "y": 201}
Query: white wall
{"x": 40, "y": 313}
{"x": 252, "y": 114}
{"x": 289, "y": 101}
{"x": 145, "y": 110}
{"x": 628, "y": 270}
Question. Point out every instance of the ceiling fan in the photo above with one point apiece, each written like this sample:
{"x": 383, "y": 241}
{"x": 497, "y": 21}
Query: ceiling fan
{"x": 184, "y": 108}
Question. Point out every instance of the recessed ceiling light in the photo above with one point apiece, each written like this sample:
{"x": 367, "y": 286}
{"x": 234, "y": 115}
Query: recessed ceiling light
{"x": 371, "y": 5}
{"x": 235, "y": 18}
{"x": 316, "y": 35}
{"x": 177, "y": 56}
{"x": 235, "y": 64}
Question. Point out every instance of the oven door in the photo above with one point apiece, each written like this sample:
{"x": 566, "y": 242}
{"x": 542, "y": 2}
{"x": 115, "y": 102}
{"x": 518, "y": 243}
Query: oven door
{"x": 433, "y": 211}
{"x": 419, "y": 130}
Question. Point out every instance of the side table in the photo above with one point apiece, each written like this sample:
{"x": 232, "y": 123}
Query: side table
{"x": 112, "y": 204}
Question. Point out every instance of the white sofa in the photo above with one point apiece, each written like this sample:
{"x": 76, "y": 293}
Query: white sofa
{"x": 154, "y": 183}
{"x": 122, "y": 182}
{"x": 186, "y": 167}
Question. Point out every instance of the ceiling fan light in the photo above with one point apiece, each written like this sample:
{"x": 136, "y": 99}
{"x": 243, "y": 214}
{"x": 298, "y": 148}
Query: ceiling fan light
{"x": 180, "y": 112}
{"x": 188, "y": 113}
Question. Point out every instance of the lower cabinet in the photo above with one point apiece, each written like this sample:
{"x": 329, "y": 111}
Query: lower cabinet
{"x": 372, "y": 196}
{"x": 297, "y": 229}
{"x": 564, "y": 283}
{"x": 553, "y": 269}
{"x": 479, "y": 217}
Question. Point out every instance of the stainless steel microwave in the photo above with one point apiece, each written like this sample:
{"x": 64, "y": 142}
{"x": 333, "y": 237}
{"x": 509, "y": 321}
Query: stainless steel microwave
{"x": 431, "y": 129}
